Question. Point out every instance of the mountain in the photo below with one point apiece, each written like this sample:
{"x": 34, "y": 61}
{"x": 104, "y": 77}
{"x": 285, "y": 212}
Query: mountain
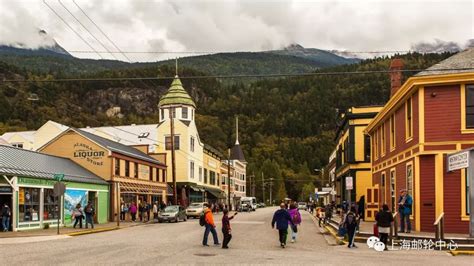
{"x": 324, "y": 58}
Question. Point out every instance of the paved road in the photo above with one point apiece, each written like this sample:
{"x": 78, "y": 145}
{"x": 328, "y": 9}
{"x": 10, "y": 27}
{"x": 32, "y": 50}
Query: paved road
{"x": 254, "y": 242}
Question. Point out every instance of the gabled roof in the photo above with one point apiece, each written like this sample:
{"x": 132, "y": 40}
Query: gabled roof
{"x": 21, "y": 162}
{"x": 237, "y": 154}
{"x": 129, "y": 134}
{"x": 462, "y": 62}
{"x": 117, "y": 147}
{"x": 28, "y": 135}
{"x": 176, "y": 95}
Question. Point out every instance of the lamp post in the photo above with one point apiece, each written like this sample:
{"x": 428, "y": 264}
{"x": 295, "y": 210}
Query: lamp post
{"x": 228, "y": 178}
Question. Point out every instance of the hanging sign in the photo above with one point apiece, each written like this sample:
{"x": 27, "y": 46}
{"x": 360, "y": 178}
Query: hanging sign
{"x": 458, "y": 160}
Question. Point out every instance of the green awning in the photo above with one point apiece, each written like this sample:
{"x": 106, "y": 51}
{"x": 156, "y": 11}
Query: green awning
{"x": 216, "y": 193}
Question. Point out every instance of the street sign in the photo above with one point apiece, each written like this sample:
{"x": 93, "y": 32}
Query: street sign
{"x": 349, "y": 184}
{"x": 59, "y": 189}
{"x": 458, "y": 160}
{"x": 58, "y": 177}
{"x": 327, "y": 189}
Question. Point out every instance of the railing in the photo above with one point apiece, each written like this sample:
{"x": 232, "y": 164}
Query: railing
{"x": 439, "y": 227}
{"x": 394, "y": 228}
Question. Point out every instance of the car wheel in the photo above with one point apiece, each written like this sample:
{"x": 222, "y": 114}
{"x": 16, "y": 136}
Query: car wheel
{"x": 176, "y": 220}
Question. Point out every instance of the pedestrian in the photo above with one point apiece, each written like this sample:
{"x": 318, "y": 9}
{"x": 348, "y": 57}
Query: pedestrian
{"x": 405, "y": 203}
{"x": 133, "y": 211}
{"x": 281, "y": 218}
{"x": 361, "y": 207}
{"x": 89, "y": 211}
{"x": 320, "y": 215}
{"x": 295, "y": 221}
{"x": 6, "y": 214}
{"x": 147, "y": 209}
{"x": 155, "y": 211}
{"x": 350, "y": 224}
{"x": 123, "y": 210}
{"x": 328, "y": 211}
{"x": 78, "y": 215}
{"x": 384, "y": 221}
{"x": 226, "y": 229}
{"x": 162, "y": 205}
{"x": 210, "y": 226}
{"x": 141, "y": 211}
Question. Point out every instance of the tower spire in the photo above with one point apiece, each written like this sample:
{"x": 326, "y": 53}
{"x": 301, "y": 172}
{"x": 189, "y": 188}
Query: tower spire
{"x": 176, "y": 66}
{"x": 236, "y": 130}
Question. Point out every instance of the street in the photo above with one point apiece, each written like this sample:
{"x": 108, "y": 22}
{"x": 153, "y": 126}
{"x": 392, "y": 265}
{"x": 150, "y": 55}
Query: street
{"x": 254, "y": 242}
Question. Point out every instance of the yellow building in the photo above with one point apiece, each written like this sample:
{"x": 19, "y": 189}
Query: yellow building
{"x": 353, "y": 155}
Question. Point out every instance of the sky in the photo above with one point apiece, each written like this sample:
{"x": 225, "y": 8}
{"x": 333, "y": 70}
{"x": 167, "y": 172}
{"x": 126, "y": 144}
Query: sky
{"x": 230, "y": 25}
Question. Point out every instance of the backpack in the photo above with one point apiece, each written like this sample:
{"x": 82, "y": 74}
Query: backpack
{"x": 295, "y": 218}
{"x": 351, "y": 219}
{"x": 202, "y": 219}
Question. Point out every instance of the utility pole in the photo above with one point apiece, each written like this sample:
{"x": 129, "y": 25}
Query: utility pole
{"x": 271, "y": 189}
{"x": 173, "y": 162}
{"x": 228, "y": 178}
{"x": 263, "y": 188}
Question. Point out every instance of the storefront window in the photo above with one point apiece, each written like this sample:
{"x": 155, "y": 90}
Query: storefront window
{"x": 29, "y": 204}
{"x": 50, "y": 211}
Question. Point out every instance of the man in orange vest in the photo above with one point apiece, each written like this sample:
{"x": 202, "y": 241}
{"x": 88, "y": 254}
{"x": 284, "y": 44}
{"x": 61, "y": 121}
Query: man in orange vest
{"x": 210, "y": 226}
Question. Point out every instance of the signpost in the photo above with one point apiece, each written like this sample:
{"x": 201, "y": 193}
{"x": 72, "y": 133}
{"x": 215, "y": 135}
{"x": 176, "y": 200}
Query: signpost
{"x": 349, "y": 187}
{"x": 59, "y": 189}
{"x": 464, "y": 160}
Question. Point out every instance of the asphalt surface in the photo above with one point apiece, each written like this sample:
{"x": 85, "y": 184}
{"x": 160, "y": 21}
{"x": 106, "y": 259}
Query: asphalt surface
{"x": 254, "y": 242}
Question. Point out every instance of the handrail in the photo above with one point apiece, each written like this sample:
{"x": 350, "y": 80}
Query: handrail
{"x": 439, "y": 227}
{"x": 394, "y": 228}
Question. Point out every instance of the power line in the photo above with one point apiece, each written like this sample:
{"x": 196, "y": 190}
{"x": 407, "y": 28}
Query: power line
{"x": 70, "y": 27}
{"x": 277, "y": 75}
{"x": 80, "y": 23}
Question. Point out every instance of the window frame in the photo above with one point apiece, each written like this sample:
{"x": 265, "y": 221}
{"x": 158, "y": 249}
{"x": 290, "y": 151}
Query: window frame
{"x": 393, "y": 133}
{"x": 409, "y": 119}
{"x": 168, "y": 143}
{"x": 409, "y": 185}
{"x": 383, "y": 149}
{"x": 184, "y": 112}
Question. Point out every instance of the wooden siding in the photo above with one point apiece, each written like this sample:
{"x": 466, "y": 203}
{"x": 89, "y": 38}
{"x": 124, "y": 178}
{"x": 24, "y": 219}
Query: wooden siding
{"x": 427, "y": 193}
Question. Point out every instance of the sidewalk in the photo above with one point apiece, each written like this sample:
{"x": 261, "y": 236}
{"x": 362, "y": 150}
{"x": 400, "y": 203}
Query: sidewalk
{"x": 70, "y": 231}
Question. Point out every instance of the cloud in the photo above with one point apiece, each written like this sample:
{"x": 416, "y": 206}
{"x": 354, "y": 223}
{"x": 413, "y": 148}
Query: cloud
{"x": 231, "y": 25}
{"x": 436, "y": 46}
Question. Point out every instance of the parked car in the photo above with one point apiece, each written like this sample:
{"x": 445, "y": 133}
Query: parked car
{"x": 195, "y": 209}
{"x": 172, "y": 213}
{"x": 245, "y": 207}
{"x": 302, "y": 206}
{"x": 261, "y": 205}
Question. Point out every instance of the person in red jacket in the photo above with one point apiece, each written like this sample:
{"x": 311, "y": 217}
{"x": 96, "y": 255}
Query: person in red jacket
{"x": 210, "y": 226}
{"x": 226, "y": 230}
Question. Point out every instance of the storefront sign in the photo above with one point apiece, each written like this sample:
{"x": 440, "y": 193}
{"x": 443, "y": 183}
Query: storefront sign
{"x": 212, "y": 164}
{"x": 458, "y": 161}
{"x": 86, "y": 152}
{"x": 349, "y": 183}
{"x": 5, "y": 189}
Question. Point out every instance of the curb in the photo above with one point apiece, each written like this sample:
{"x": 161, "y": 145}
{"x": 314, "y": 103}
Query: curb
{"x": 86, "y": 232}
{"x": 327, "y": 228}
{"x": 462, "y": 252}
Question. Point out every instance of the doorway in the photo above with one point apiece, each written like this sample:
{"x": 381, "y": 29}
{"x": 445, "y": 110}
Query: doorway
{"x": 6, "y": 198}
{"x": 92, "y": 198}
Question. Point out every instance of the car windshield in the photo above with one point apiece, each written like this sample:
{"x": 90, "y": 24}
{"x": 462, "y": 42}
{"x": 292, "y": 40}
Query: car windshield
{"x": 195, "y": 206}
{"x": 171, "y": 209}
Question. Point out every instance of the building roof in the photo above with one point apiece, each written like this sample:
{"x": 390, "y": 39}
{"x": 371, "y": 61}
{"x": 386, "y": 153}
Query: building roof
{"x": 209, "y": 149}
{"x": 21, "y": 162}
{"x": 129, "y": 134}
{"x": 176, "y": 95}
{"x": 462, "y": 62}
{"x": 236, "y": 153}
{"x": 28, "y": 135}
{"x": 117, "y": 147}
{"x": 4, "y": 142}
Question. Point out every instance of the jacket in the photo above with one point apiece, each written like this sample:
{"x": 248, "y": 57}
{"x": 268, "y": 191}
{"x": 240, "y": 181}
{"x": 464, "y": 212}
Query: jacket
{"x": 295, "y": 216}
{"x": 209, "y": 217}
{"x": 281, "y": 218}
{"x": 226, "y": 223}
{"x": 133, "y": 208}
{"x": 6, "y": 211}
{"x": 405, "y": 209}
{"x": 384, "y": 219}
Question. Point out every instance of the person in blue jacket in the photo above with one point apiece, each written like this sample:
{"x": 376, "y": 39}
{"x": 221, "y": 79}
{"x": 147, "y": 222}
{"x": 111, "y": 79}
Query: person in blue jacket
{"x": 281, "y": 217}
{"x": 405, "y": 203}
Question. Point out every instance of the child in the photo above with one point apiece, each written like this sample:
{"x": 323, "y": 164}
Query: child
{"x": 226, "y": 230}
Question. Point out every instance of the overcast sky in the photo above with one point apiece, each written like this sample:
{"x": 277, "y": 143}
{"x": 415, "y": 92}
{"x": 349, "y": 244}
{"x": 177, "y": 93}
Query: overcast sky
{"x": 253, "y": 25}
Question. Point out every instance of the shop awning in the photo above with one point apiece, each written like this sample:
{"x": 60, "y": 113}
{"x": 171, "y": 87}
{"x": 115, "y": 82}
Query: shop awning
{"x": 216, "y": 193}
{"x": 130, "y": 187}
{"x": 196, "y": 189}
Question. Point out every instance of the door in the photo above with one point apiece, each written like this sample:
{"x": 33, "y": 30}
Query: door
{"x": 427, "y": 193}
{"x": 6, "y": 198}
{"x": 372, "y": 203}
{"x": 92, "y": 198}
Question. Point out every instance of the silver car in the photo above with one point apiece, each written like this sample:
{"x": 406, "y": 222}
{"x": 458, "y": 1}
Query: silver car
{"x": 173, "y": 213}
{"x": 195, "y": 209}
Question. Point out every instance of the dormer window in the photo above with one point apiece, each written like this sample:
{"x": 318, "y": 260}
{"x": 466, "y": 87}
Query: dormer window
{"x": 143, "y": 135}
{"x": 184, "y": 113}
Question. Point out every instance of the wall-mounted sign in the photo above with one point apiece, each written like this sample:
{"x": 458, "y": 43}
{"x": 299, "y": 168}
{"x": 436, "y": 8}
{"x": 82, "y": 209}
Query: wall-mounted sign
{"x": 458, "y": 160}
{"x": 212, "y": 164}
{"x": 349, "y": 183}
{"x": 5, "y": 189}
{"x": 93, "y": 156}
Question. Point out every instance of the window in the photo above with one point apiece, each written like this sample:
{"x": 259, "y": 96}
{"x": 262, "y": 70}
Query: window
{"x": 18, "y": 145}
{"x": 162, "y": 114}
{"x": 367, "y": 147}
{"x": 173, "y": 112}
{"x": 408, "y": 120}
{"x": 392, "y": 132}
{"x": 135, "y": 170}
{"x": 191, "y": 169}
{"x": 29, "y": 204}
{"x": 382, "y": 139}
{"x": 200, "y": 174}
{"x": 410, "y": 179}
{"x": 376, "y": 144}
{"x": 392, "y": 189}
{"x": 382, "y": 184}
{"x": 236, "y": 187}
{"x": 158, "y": 174}
{"x": 205, "y": 176}
{"x": 168, "y": 143}
{"x": 468, "y": 206}
{"x": 117, "y": 166}
{"x": 150, "y": 173}
{"x": 469, "y": 106}
{"x": 218, "y": 179}
{"x": 184, "y": 112}
{"x": 163, "y": 175}
{"x": 212, "y": 177}
{"x": 127, "y": 168}
{"x": 192, "y": 143}
{"x": 143, "y": 135}
{"x": 50, "y": 209}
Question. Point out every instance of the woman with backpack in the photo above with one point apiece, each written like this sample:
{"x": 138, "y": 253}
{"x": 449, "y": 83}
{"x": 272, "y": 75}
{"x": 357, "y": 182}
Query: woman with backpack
{"x": 296, "y": 219}
{"x": 78, "y": 215}
{"x": 350, "y": 224}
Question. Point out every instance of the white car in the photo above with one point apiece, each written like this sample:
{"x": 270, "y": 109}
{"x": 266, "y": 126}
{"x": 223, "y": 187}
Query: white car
{"x": 302, "y": 206}
{"x": 195, "y": 209}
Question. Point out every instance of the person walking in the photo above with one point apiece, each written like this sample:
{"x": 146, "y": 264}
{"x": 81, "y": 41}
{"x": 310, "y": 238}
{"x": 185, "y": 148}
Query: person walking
{"x": 141, "y": 211}
{"x": 281, "y": 218}
{"x": 209, "y": 225}
{"x": 405, "y": 203}
{"x": 78, "y": 215}
{"x": 296, "y": 219}
{"x": 361, "y": 207}
{"x": 155, "y": 211}
{"x": 133, "y": 211}
{"x": 123, "y": 210}
{"x": 226, "y": 229}
{"x": 89, "y": 211}
{"x": 384, "y": 221}
{"x": 6, "y": 214}
{"x": 350, "y": 223}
